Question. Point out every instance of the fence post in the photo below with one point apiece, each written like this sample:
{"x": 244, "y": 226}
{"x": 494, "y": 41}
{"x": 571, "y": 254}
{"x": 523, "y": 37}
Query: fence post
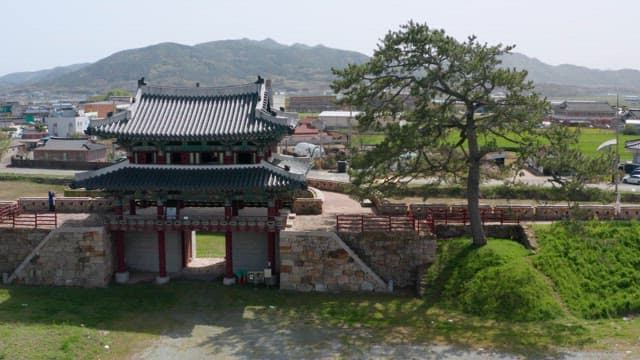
{"x": 389, "y": 224}
{"x": 361, "y": 223}
{"x": 337, "y": 223}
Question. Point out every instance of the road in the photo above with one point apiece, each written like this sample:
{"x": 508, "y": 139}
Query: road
{"x": 526, "y": 178}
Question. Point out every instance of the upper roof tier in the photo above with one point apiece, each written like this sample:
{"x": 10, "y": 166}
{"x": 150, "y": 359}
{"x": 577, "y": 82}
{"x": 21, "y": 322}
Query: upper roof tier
{"x": 240, "y": 112}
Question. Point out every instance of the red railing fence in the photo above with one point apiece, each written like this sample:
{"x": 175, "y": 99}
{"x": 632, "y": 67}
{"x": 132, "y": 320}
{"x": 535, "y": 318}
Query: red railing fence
{"x": 14, "y": 216}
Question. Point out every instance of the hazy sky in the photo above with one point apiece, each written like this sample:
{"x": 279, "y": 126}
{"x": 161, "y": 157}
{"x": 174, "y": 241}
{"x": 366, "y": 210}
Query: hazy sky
{"x": 40, "y": 34}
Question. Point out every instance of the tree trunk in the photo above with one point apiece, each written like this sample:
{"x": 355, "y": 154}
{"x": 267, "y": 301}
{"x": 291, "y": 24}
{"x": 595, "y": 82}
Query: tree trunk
{"x": 473, "y": 184}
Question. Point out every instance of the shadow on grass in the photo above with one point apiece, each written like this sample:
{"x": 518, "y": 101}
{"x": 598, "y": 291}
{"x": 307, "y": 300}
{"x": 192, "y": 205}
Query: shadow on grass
{"x": 251, "y": 322}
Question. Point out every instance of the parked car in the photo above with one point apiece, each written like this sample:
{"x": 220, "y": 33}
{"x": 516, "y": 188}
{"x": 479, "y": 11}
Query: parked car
{"x": 631, "y": 179}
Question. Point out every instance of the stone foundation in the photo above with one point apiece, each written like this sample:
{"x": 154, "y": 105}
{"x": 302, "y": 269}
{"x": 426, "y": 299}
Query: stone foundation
{"x": 394, "y": 256}
{"x": 321, "y": 261}
{"x": 16, "y": 244}
{"x": 72, "y": 257}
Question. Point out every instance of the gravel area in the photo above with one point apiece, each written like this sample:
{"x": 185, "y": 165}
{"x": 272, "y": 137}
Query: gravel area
{"x": 252, "y": 334}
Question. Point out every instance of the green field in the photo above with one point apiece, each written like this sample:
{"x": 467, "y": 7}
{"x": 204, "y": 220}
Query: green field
{"x": 12, "y": 190}
{"x": 210, "y": 245}
{"x": 590, "y": 139}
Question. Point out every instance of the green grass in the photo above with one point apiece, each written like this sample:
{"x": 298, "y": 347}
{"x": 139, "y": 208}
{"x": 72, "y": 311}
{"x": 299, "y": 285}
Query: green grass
{"x": 595, "y": 266}
{"x": 44, "y": 323}
{"x": 12, "y": 190}
{"x": 494, "y": 282}
{"x": 589, "y": 141}
{"x": 210, "y": 245}
{"x": 367, "y": 139}
{"x": 488, "y": 297}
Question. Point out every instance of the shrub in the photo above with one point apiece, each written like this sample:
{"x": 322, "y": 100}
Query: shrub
{"x": 493, "y": 281}
{"x": 594, "y": 265}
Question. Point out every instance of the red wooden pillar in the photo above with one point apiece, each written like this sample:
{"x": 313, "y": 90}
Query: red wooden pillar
{"x": 132, "y": 206}
{"x": 235, "y": 205}
{"x": 272, "y": 211}
{"x": 121, "y": 267}
{"x": 228, "y": 157}
{"x": 179, "y": 205}
{"x": 228, "y": 242}
{"x": 271, "y": 239}
{"x": 160, "y": 210}
{"x": 162, "y": 255}
{"x": 119, "y": 208}
{"x": 186, "y": 248}
{"x": 184, "y": 157}
{"x": 161, "y": 159}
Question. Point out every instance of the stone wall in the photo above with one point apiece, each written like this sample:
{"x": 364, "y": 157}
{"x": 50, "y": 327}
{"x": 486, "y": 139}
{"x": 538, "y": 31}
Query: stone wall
{"x": 72, "y": 257}
{"x": 16, "y": 244}
{"x": 513, "y": 232}
{"x": 304, "y": 206}
{"x": 68, "y": 204}
{"x": 321, "y": 261}
{"x": 328, "y": 185}
{"x": 522, "y": 212}
{"x": 393, "y": 256}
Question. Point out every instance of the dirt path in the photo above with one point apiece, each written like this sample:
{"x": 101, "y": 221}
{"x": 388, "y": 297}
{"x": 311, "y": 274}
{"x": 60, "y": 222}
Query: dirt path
{"x": 253, "y": 334}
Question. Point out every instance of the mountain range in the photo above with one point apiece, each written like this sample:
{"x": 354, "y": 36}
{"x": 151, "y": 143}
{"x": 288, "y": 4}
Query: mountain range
{"x": 294, "y": 69}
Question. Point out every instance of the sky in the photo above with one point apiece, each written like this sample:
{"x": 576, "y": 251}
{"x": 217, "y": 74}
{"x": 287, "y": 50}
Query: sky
{"x": 42, "y": 34}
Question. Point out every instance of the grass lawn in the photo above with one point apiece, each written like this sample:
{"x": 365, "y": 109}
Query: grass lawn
{"x": 210, "y": 245}
{"x": 43, "y": 323}
{"x": 572, "y": 293}
{"x": 595, "y": 266}
{"x": 11, "y": 190}
{"x": 590, "y": 139}
{"x": 495, "y": 281}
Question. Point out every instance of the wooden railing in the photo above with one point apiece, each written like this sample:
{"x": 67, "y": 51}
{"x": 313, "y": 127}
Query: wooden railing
{"x": 362, "y": 223}
{"x": 426, "y": 225}
{"x": 14, "y": 216}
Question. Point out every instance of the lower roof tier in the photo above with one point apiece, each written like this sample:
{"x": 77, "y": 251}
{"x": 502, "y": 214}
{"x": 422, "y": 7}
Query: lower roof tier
{"x": 125, "y": 176}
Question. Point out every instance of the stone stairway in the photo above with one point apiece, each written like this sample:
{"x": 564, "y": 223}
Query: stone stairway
{"x": 35, "y": 252}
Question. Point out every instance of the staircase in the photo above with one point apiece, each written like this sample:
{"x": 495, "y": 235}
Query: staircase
{"x": 35, "y": 252}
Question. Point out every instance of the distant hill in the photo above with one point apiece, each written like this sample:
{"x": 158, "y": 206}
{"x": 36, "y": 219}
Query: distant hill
{"x": 292, "y": 68}
{"x": 296, "y": 68}
{"x": 571, "y": 80}
{"x": 26, "y": 77}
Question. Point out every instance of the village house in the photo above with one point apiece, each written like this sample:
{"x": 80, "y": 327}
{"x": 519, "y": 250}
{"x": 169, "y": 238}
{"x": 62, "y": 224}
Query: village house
{"x": 71, "y": 150}
{"x": 65, "y": 121}
{"x": 312, "y": 104}
{"x": 582, "y": 113}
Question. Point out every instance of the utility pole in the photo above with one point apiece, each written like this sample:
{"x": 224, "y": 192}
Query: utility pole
{"x": 617, "y": 162}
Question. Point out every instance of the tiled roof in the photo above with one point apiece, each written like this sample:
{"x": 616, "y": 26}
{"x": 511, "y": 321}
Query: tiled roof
{"x": 198, "y": 113}
{"x": 70, "y": 145}
{"x": 136, "y": 177}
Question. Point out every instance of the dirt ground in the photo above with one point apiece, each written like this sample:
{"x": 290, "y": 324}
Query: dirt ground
{"x": 253, "y": 334}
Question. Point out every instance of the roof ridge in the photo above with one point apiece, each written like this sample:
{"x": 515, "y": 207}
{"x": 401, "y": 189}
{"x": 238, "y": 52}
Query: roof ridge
{"x": 200, "y": 91}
